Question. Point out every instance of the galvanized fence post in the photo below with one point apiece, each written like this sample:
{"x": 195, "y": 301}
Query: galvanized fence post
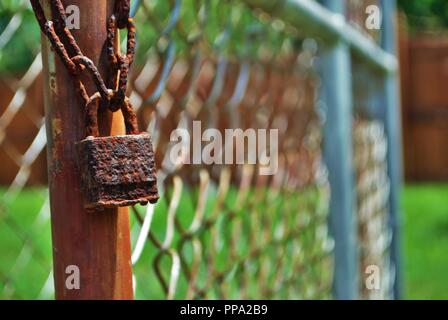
{"x": 337, "y": 95}
{"x": 92, "y": 245}
{"x": 392, "y": 121}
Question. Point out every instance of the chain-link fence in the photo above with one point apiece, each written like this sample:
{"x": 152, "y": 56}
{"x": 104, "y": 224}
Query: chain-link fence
{"x": 218, "y": 231}
{"x": 372, "y": 186}
{"x": 372, "y": 183}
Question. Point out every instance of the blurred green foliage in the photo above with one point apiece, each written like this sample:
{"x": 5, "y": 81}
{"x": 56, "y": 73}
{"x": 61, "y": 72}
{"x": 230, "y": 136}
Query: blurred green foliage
{"x": 425, "y": 14}
{"x": 18, "y": 53}
{"x": 216, "y": 25}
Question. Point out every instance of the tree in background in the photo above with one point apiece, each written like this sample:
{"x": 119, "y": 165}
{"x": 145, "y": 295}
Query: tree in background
{"x": 425, "y": 14}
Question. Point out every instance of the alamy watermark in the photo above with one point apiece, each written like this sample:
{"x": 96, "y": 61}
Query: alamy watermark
{"x": 73, "y": 280}
{"x": 374, "y": 17}
{"x": 251, "y": 146}
{"x": 373, "y": 278}
{"x": 73, "y": 17}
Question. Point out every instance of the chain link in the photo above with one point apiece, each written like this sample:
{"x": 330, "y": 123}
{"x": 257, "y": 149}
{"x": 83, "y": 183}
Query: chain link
{"x": 66, "y": 47}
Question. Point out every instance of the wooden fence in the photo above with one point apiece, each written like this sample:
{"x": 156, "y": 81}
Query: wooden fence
{"x": 424, "y": 73}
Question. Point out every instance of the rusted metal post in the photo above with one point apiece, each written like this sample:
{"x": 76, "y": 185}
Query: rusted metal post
{"x": 97, "y": 243}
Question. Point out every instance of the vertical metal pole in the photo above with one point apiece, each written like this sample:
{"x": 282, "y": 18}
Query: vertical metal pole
{"x": 392, "y": 120}
{"x": 337, "y": 91}
{"x": 95, "y": 243}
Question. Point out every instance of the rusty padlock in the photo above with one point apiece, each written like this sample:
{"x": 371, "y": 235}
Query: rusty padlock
{"x": 120, "y": 170}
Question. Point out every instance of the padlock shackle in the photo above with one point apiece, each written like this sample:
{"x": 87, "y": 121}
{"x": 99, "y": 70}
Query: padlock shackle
{"x": 91, "y": 111}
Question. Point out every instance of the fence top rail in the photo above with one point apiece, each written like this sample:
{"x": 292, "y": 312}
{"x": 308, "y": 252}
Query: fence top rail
{"x": 331, "y": 27}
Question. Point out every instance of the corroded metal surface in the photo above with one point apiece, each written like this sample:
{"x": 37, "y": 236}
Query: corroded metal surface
{"x": 99, "y": 191}
{"x": 98, "y": 242}
{"x": 122, "y": 8}
{"x": 118, "y": 171}
{"x": 65, "y": 46}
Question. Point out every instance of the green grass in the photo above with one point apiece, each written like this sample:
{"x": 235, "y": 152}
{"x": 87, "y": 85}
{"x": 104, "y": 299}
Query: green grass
{"x": 25, "y": 238}
{"x": 425, "y": 241}
{"x": 25, "y": 245}
{"x": 425, "y": 245}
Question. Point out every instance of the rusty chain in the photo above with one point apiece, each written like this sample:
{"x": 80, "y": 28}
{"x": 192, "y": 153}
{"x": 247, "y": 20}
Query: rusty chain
{"x": 112, "y": 95}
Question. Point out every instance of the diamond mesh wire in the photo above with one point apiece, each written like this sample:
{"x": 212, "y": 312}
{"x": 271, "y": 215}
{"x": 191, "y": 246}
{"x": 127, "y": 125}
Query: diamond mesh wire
{"x": 234, "y": 234}
{"x": 372, "y": 186}
{"x": 24, "y": 214}
{"x": 219, "y": 231}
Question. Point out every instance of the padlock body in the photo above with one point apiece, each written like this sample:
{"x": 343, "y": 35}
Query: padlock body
{"x": 117, "y": 171}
